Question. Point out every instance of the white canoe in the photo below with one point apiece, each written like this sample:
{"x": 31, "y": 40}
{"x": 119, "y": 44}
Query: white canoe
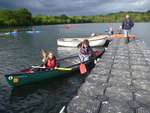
{"x": 73, "y": 42}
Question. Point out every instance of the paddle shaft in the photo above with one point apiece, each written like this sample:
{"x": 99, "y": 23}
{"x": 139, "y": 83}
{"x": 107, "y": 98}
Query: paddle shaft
{"x": 82, "y": 66}
{"x": 38, "y": 67}
{"x": 59, "y": 59}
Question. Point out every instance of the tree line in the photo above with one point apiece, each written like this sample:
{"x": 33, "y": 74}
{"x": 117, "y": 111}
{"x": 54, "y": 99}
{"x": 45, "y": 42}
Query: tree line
{"x": 23, "y": 17}
{"x": 20, "y": 17}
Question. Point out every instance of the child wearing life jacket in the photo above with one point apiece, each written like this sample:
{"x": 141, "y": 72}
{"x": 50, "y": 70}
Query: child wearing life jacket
{"x": 85, "y": 51}
{"x": 51, "y": 61}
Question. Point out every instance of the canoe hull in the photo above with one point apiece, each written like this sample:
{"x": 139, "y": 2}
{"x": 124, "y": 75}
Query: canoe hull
{"x": 26, "y": 78}
{"x": 20, "y": 79}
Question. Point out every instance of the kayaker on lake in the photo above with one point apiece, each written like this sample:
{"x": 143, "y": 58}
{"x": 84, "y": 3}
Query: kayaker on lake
{"x": 85, "y": 51}
{"x": 127, "y": 25}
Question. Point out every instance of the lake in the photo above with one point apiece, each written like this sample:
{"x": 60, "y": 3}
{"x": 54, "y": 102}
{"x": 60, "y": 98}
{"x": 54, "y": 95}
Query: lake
{"x": 23, "y": 50}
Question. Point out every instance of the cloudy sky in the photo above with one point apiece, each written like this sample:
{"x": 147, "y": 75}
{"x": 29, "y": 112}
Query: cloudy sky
{"x": 77, "y": 7}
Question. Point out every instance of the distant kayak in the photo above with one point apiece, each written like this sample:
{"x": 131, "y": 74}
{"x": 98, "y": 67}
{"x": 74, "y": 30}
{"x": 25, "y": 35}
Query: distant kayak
{"x": 31, "y": 32}
{"x": 10, "y": 33}
{"x": 67, "y": 26}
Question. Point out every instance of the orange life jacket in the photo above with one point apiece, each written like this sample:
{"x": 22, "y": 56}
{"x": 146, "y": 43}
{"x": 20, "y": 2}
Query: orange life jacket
{"x": 51, "y": 63}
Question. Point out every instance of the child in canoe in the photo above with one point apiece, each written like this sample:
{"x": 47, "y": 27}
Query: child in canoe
{"x": 44, "y": 57}
{"x": 49, "y": 60}
{"x": 86, "y": 51}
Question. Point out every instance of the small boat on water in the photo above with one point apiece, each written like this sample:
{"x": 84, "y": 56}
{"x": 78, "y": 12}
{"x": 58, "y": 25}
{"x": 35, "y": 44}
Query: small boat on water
{"x": 67, "y": 26}
{"x": 10, "y": 33}
{"x": 28, "y": 76}
{"x": 73, "y": 42}
{"x": 122, "y": 36}
{"x": 32, "y": 32}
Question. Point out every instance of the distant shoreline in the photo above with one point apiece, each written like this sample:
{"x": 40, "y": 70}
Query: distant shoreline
{"x": 24, "y": 28}
{"x": 22, "y": 17}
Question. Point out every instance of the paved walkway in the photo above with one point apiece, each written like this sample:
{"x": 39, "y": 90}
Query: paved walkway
{"x": 119, "y": 83}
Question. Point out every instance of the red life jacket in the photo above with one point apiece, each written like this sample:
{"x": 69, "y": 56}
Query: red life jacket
{"x": 51, "y": 63}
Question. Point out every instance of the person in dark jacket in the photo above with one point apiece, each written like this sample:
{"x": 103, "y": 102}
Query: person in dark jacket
{"x": 127, "y": 25}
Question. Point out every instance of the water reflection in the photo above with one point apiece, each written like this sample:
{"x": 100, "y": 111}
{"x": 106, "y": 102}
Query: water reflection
{"x": 24, "y": 51}
{"x": 45, "y": 96}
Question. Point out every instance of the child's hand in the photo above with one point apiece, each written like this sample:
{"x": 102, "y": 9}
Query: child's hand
{"x": 44, "y": 66}
{"x": 55, "y": 67}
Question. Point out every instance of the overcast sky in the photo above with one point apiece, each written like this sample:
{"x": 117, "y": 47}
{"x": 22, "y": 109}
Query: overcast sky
{"x": 77, "y": 7}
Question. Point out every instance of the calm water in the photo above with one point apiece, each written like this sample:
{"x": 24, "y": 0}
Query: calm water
{"x": 23, "y": 50}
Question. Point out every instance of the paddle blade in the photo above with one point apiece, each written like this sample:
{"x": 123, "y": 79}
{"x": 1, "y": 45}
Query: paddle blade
{"x": 98, "y": 53}
{"x": 83, "y": 69}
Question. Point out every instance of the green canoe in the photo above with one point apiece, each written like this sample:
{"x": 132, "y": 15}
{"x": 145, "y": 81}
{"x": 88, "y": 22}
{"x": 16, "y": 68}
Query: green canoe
{"x": 27, "y": 76}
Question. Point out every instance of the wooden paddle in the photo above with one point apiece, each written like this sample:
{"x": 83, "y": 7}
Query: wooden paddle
{"x": 59, "y": 59}
{"x": 58, "y": 68}
{"x": 63, "y": 69}
{"x": 82, "y": 68}
{"x": 62, "y": 110}
{"x": 38, "y": 67}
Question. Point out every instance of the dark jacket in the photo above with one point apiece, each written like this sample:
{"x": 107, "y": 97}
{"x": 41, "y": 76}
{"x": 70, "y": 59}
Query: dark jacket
{"x": 127, "y": 24}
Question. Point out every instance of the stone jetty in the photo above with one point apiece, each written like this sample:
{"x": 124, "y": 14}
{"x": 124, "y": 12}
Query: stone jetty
{"x": 119, "y": 83}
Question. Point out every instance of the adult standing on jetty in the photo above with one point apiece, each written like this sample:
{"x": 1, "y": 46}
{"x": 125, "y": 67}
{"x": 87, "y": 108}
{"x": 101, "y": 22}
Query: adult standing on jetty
{"x": 127, "y": 25}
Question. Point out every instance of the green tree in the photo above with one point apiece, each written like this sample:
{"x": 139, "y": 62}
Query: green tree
{"x": 23, "y": 17}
